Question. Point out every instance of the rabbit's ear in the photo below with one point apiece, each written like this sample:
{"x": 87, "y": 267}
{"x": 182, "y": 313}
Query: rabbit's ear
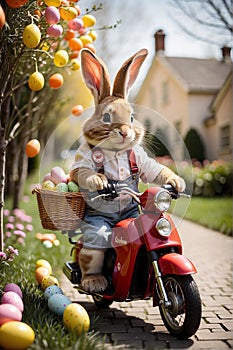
{"x": 96, "y": 75}
{"x": 128, "y": 73}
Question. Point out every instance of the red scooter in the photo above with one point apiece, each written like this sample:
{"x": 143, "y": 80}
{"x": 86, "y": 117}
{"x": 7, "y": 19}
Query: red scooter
{"x": 146, "y": 261}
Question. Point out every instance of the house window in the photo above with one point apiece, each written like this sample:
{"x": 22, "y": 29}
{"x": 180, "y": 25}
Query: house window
{"x": 225, "y": 137}
{"x": 165, "y": 92}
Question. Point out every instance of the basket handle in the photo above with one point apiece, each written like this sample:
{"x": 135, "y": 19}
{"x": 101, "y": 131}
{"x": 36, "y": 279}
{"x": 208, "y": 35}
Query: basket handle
{"x": 35, "y": 190}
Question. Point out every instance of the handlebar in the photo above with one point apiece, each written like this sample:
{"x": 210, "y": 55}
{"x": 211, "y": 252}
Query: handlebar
{"x": 113, "y": 190}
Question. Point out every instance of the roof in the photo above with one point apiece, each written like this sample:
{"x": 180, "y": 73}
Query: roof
{"x": 199, "y": 75}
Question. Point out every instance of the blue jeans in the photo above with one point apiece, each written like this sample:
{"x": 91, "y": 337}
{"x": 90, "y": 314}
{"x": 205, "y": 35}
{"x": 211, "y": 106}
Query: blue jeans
{"x": 102, "y": 215}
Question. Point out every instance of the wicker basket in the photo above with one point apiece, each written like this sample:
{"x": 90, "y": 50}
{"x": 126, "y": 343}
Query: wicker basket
{"x": 60, "y": 210}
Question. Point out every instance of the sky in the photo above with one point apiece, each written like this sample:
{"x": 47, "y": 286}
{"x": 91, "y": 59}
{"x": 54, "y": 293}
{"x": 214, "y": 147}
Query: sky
{"x": 140, "y": 19}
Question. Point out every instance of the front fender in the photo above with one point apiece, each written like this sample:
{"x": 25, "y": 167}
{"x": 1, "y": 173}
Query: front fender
{"x": 176, "y": 264}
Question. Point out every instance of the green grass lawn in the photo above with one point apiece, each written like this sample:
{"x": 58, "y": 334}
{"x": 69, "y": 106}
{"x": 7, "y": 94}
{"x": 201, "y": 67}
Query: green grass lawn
{"x": 215, "y": 213}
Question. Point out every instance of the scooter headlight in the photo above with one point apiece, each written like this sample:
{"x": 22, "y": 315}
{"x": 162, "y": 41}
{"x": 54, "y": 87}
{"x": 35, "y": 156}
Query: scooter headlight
{"x": 164, "y": 227}
{"x": 162, "y": 200}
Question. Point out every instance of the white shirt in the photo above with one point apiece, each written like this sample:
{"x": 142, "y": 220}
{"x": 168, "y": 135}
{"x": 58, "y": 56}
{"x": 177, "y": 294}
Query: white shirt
{"x": 116, "y": 163}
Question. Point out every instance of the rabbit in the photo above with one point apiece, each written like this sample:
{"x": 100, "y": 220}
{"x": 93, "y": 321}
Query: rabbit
{"x": 111, "y": 131}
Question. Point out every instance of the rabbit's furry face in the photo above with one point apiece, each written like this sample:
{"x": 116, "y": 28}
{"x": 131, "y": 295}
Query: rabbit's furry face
{"x": 113, "y": 125}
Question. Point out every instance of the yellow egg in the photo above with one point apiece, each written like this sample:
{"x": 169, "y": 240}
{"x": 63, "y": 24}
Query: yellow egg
{"x": 75, "y": 317}
{"x": 93, "y": 35}
{"x": 75, "y": 64}
{"x": 44, "y": 263}
{"x": 15, "y": 335}
{"x": 88, "y": 20}
{"x": 49, "y": 281}
{"x": 36, "y": 81}
{"x": 68, "y": 13}
{"x": 31, "y": 36}
{"x": 86, "y": 39}
{"x": 61, "y": 58}
{"x": 55, "y": 3}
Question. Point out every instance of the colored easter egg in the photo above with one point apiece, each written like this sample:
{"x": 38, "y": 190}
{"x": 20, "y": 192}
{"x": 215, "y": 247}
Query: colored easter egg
{"x": 86, "y": 39}
{"x": 31, "y": 36}
{"x": 49, "y": 281}
{"x": 88, "y": 20}
{"x": 16, "y": 3}
{"x": 56, "y": 81}
{"x": 52, "y": 15}
{"x": 77, "y": 110}
{"x": 57, "y": 303}
{"x": 32, "y": 148}
{"x": 73, "y": 187}
{"x": 75, "y": 44}
{"x": 75, "y": 24}
{"x": 55, "y": 30}
{"x": 51, "y": 290}
{"x": 75, "y": 64}
{"x": 13, "y": 299}
{"x": 48, "y": 185}
{"x": 55, "y": 3}
{"x": 76, "y": 318}
{"x": 44, "y": 263}
{"x": 9, "y": 312}
{"x": 2, "y": 17}
{"x": 12, "y": 287}
{"x": 93, "y": 34}
{"x": 68, "y": 13}
{"x": 47, "y": 244}
{"x": 61, "y": 58}
{"x": 15, "y": 335}
{"x": 36, "y": 81}
{"x": 69, "y": 34}
{"x": 61, "y": 187}
{"x": 40, "y": 273}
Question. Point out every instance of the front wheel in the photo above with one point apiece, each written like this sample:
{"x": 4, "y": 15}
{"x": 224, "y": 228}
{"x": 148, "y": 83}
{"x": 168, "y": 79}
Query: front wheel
{"x": 182, "y": 318}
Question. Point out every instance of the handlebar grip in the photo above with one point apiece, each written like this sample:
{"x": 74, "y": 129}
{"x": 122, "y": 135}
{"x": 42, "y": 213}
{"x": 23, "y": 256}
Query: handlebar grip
{"x": 110, "y": 190}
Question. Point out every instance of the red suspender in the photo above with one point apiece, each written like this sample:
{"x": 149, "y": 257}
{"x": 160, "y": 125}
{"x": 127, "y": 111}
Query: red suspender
{"x": 132, "y": 162}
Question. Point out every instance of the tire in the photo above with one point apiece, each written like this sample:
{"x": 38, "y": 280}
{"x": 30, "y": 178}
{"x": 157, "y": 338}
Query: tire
{"x": 101, "y": 303}
{"x": 183, "y": 318}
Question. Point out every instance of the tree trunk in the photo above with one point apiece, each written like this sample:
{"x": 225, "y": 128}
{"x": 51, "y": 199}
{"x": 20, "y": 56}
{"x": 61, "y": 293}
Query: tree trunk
{"x": 3, "y": 145}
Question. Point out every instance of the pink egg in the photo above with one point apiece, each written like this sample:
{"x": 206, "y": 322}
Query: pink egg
{"x": 12, "y": 287}
{"x": 55, "y": 30}
{"x": 9, "y": 312}
{"x": 13, "y": 299}
{"x": 75, "y": 24}
{"x": 52, "y": 15}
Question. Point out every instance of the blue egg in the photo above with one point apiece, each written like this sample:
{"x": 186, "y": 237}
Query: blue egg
{"x": 57, "y": 303}
{"x": 51, "y": 290}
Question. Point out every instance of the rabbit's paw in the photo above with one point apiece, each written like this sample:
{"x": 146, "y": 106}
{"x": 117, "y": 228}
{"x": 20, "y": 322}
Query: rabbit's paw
{"x": 94, "y": 283}
{"x": 96, "y": 182}
{"x": 176, "y": 182}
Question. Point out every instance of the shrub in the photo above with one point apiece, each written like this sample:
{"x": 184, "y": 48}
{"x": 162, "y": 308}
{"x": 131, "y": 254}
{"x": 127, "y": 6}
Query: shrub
{"x": 207, "y": 179}
{"x": 195, "y": 145}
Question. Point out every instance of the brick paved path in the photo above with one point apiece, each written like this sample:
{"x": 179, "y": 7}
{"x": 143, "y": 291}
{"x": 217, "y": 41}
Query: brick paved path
{"x": 137, "y": 325}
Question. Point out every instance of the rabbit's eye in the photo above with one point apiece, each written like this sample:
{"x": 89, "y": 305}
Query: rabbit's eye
{"x": 107, "y": 118}
{"x": 131, "y": 118}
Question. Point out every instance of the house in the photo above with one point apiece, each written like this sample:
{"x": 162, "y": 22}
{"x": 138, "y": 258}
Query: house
{"x": 189, "y": 93}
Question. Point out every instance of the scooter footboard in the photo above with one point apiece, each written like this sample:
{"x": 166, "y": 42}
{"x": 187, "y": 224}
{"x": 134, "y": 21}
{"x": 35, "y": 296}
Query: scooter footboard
{"x": 176, "y": 264}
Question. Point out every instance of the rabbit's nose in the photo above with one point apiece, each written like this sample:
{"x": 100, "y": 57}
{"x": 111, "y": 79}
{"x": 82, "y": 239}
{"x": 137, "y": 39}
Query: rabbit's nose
{"x": 123, "y": 131}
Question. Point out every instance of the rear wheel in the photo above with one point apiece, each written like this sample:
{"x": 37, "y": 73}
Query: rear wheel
{"x": 182, "y": 318}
